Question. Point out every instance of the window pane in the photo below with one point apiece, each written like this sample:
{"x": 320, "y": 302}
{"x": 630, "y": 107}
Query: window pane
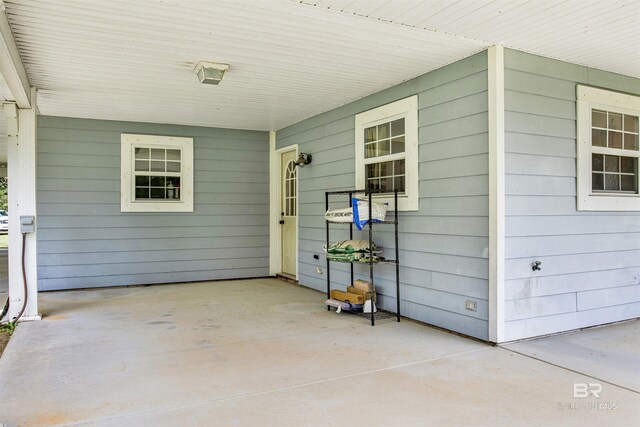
{"x": 599, "y": 119}
{"x": 157, "y": 166}
{"x": 372, "y": 171}
{"x": 370, "y": 150}
{"x": 399, "y": 183}
{"x": 373, "y": 184}
{"x": 142, "y": 165}
{"x": 397, "y": 145}
{"x": 397, "y": 127}
{"x": 630, "y": 142}
{"x": 173, "y": 187}
{"x": 398, "y": 167}
{"x": 597, "y": 162}
{"x": 615, "y": 121}
{"x": 384, "y": 148}
{"x": 599, "y": 138}
{"x": 142, "y": 181}
{"x": 386, "y": 184}
{"x": 142, "y": 193}
{"x": 158, "y": 187}
{"x": 612, "y": 164}
{"x": 172, "y": 192}
{"x": 615, "y": 139}
{"x": 611, "y": 182}
{"x": 157, "y": 153}
{"x": 370, "y": 134}
{"x": 597, "y": 181}
{"x": 173, "y": 154}
{"x": 157, "y": 181}
{"x": 173, "y": 167}
{"x": 386, "y": 168}
{"x": 142, "y": 153}
{"x": 631, "y": 123}
{"x": 384, "y": 131}
{"x": 629, "y": 183}
{"x": 157, "y": 193}
{"x": 627, "y": 165}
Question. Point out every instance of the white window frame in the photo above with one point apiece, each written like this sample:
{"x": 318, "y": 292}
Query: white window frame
{"x": 405, "y": 108}
{"x": 128, "y": 142}
{"x": 589, "y": 98}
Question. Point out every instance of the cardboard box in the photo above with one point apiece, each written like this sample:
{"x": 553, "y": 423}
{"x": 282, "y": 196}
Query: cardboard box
{"x": 347, "y": 296}
{"x": 363, "y": 285}
{"x": 365, "y": 294}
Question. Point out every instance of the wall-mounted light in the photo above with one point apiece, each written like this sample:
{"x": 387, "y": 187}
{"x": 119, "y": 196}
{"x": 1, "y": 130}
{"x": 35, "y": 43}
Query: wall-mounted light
{"x": 303, "y": 160}
{"x": 210, "y": 72}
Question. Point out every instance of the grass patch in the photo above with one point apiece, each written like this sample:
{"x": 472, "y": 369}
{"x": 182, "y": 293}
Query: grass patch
{"x": 5, "y": 330}
{"x": 5, "y": 333}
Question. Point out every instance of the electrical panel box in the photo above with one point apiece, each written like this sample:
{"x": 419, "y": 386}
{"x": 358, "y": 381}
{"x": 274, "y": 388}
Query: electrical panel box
{"x": 27, "y": 224}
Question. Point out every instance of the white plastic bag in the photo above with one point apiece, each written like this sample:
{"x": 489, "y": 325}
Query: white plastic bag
{"x": 361, "y": 212}
{"x": 339, "y": 215}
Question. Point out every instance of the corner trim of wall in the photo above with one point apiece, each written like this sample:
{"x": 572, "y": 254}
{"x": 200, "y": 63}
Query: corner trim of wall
{"x": 495, "y": 56}
{"x": 274, "y": 241}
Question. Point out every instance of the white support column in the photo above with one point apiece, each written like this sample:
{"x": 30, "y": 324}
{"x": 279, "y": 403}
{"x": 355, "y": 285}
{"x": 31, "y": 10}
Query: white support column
{"x": 21, "y": 163}
{"x": 496, "y": 194}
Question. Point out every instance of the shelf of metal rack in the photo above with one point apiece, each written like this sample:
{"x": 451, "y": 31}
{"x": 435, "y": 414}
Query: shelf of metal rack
{"x": 371, "y": 225}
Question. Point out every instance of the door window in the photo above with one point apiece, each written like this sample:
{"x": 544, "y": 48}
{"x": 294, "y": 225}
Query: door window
{"x": 290, "y": 189}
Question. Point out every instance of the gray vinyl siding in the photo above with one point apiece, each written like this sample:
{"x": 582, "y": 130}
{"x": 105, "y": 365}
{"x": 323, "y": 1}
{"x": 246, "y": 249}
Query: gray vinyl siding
{"x": 85, "y": 241}
{"x": 443, "y": 246}
{"x": 590, "y": 260}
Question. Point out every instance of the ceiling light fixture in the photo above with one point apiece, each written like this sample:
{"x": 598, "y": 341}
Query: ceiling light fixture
{"x": 210, "y": 72}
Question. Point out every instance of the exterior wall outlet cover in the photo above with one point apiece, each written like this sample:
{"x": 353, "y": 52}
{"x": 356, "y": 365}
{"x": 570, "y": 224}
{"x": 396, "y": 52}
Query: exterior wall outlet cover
{"x": 471, "y": 305}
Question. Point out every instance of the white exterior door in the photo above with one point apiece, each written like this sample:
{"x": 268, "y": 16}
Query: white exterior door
{"x": 288, "y": 212}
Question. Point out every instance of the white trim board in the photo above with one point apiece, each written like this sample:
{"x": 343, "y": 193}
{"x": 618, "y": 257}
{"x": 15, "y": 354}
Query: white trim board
{"x": 12, "y": 68}
{"x": 274, "y": 242}
{"x": 495, "y": 55}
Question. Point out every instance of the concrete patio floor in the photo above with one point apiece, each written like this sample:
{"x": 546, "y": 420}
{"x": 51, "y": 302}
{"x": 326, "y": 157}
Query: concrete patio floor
{"x": 267, "y": 353}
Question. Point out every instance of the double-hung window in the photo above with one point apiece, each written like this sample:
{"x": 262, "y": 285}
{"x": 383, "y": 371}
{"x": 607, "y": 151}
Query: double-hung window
{"x": 387, "y": 152}
{"x": 156, "y": 173}
{"x": 608, "y": 150}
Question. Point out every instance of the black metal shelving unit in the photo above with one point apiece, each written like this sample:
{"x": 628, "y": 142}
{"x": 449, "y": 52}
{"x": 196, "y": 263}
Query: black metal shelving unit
{"x": 368, "y": 194}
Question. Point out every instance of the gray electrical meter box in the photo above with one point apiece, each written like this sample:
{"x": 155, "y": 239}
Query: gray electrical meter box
{"x": 27, "y": 224}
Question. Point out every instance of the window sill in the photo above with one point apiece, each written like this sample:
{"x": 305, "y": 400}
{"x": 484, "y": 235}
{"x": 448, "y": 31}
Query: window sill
{"x": 609, "y": 202}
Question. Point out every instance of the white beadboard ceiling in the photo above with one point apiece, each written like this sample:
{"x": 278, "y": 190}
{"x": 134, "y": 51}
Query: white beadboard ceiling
{"x": 133, "y": 59}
